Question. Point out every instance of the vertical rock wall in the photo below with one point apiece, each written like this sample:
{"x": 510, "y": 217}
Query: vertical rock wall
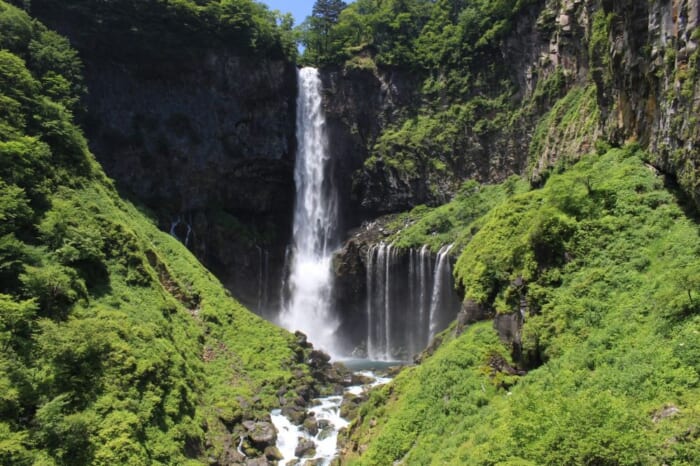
{"x": 199, "y": 131}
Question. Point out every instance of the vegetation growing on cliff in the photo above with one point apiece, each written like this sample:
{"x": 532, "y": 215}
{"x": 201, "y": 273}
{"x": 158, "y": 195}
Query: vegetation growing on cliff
{"x": 420, "y": 34}
{"x": 116, "y": 345}
{"x": 471, "y": 117}
{"x": 454, "y": 222}
{"x": 153, "y": 29}
{"x": 605, "y": 260}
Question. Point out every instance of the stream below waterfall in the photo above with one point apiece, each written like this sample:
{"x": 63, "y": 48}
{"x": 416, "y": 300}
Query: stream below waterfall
{"x": 292, "y": 439}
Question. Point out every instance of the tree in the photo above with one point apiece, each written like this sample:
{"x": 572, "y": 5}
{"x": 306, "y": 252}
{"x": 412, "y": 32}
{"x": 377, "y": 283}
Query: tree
{"x": 324, "y": 15}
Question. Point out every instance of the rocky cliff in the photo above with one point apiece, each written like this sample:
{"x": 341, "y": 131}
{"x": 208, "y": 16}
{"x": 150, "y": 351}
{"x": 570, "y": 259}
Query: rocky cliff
{"x": 360, "y": 103}
{"x": 585, "y": 74}
{"x": 648, "y": 86}
{"x": 204, "y": 136}
{"x": 640, "y": 57}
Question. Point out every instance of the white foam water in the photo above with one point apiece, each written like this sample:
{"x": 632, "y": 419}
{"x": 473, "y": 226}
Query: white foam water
{"x": 326, "y": 409}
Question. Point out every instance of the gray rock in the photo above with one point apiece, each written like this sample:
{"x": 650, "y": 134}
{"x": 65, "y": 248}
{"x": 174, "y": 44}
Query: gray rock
{"x": 273, "y": 453}
{"x": 261, "y": 434}
{"x": 665, "y": 413}
{"x": 311, "y": 425}
{"x": 295, "y": 414}
{"x": 305, "y": 447}
{"x": 257, "y": 462}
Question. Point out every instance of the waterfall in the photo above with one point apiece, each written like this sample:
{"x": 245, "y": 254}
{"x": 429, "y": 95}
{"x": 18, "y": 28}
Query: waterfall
{"x": 314, "y": 238}
{"x": 410, "y": 294}
{"x": 409, "y": 299}
{"x": 441, "y": 276}
{"x": 424, "y": 268}
{"x": 371, "y": 343}
{"x": 174, "y": 231}
{"x": 387, "y": 304}
{"x": 263, "y": 280}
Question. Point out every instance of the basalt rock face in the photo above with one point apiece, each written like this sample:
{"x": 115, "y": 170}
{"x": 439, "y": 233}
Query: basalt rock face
{"x": 210, "y": 144}
{"x": 651, "y": 93}
{"x": 640, "y": 59}
{"x": 359, "y": 104}
{"x": 205, "y": 139}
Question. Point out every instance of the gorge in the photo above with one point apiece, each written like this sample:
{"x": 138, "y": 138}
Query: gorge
{"x": 492, "y": 204}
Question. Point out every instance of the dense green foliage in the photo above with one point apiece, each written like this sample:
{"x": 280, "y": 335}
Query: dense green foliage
{"x": 454, "y": 222}
{"x": 116, "y": 345}
{"x": 426, "y": 34}
{"x": 607, "y": 263}
{"x": 467, "y": 102}
{"x": 155, "y": 28}
{"x": 315, "y": 32}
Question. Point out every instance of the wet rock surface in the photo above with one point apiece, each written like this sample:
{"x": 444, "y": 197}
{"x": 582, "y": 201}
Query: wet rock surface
{"x": 305, "y": 447}
{"x": 261, "y": 434}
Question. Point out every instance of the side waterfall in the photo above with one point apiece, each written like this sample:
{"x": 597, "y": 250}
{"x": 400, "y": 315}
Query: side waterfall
{"x": 315, "y": 217}
{"x": 410, "y": 298}
{"x": 263, "y": 280}
{"x": 442, "y": 278}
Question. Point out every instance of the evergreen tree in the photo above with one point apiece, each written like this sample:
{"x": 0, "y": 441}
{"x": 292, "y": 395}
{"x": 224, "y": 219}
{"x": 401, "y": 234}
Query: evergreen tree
{"x": 324, "y": 15}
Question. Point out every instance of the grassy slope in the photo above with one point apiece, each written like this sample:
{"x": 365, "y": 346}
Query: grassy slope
{"x": 612, "y": 335}
{"x": 116, "y": 345}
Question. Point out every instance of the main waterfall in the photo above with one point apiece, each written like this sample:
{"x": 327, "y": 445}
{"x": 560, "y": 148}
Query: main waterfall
{"x": 315, "y": 220}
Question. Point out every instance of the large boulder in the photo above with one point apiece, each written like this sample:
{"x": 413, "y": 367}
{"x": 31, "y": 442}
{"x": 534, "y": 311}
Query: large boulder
{"x": 305, "y": 447}
{"x": 261, "y": 434}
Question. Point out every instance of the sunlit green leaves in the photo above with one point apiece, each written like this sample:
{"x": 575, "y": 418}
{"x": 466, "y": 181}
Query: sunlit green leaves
{"x": 611, "y": 333}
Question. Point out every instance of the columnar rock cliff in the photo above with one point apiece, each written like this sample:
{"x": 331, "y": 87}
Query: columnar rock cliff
{"x": 650, "y": 91}
{"x": 209, "y": 146}
{"x": 640, "y": 57}
{"x": 203, "y": 135}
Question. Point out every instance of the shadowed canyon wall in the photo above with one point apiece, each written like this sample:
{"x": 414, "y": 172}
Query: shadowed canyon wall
{"x": 201, "y": 132}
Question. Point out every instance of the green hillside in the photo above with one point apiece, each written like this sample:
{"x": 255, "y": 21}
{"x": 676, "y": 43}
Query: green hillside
{"x": 604, "y": 259}
{"x": 117, "y": 346}
{"x": 564, "y": 132}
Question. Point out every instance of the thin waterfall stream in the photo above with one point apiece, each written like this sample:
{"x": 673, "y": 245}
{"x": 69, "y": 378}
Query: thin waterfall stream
{"x": 410, "y": 298}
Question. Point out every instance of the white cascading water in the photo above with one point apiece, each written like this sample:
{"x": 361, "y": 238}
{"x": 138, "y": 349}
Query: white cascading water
{"x": 409, "y": 300}
{"x": 315, "y": 217}
{"x": 424, "y": 269}
{"x": 327, "y": 410}
{"x": 442, "y": 276}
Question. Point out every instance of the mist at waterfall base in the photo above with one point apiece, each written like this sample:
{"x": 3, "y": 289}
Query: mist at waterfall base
{"x": 409, "y": 294}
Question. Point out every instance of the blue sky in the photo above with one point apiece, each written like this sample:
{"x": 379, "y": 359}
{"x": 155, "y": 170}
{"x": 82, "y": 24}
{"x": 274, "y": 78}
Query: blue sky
{"x": 300, "y": 9}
